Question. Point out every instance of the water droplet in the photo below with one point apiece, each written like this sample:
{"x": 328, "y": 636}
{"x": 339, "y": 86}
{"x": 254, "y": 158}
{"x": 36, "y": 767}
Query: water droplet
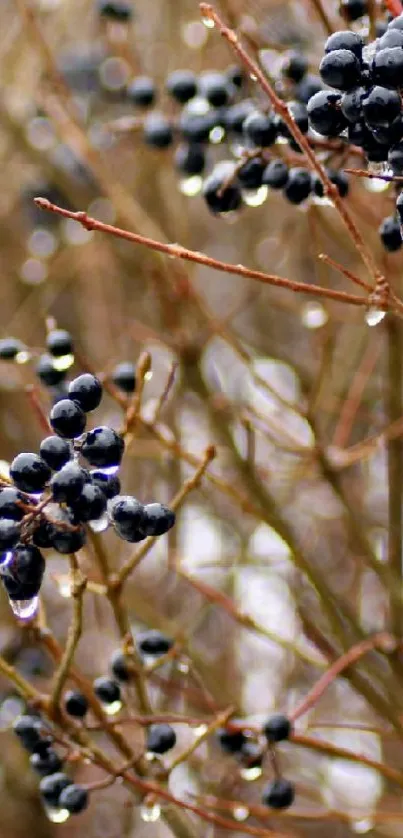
{"x": 100, "y": 524}
{"x": 112, "y": 709}
{"x": 216, "y": 135}
{"x": 65, "y": 588}
{"x": 63, "y": 363}
{"x": 150, "y": 813}
{"x": 23, "y": 357}
{"x": 148, "y": 376}
{"x": 376, "y": 184}
{"x": 191, "y": 186}
{"x": 363, "y": 826}
{"x": 250, "y": 774}
{"x": 255, "y": 197}
{"x": 183, "y": 667}
{"x": 57, "y": 815}
{"x": 240, "y": 813}
{"x": 314, "y": 315}
{"x": 24, "y": 609}
{"x": 208, "y": 22}
{"x": 200, "y": 730}
{"x": 252, "y": 77}
{"x": 374, "y": 316}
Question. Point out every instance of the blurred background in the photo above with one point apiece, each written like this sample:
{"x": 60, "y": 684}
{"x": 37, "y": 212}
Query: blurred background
{"x": 284, "y": 384}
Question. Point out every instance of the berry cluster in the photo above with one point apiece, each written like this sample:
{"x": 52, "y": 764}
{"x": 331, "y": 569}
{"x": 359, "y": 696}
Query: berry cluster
{"x": 279, "y": 793}
{"x": 59, "y": 793}
{"x": 72, "y": 482}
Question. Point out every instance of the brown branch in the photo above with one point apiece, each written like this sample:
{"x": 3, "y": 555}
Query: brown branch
{"x": 62, "y": 673}
{"x": 179, "y": 252}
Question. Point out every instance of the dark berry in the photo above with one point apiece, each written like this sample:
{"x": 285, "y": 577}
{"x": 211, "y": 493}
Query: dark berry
{"x": 59, "y": 343}
{"x": 67, "y": 484}
{"x": 231, "y": 741}
{"x": 158, "y": 131}
{"x": 18, "y": 591}
{"x": 9, "y": 533}
{"x": 75, "y": 704}
{"x": 74, "y": 798}
{"x": 275, "y": 174}
{"x": 396, "y": 22}
{"x": 103, "y": 447}
{"x": 381, "y": 106}
{"x": 235, "y": 76}
{"x": 51, "y": 787}
{"x": 127, "y": 515}
{"x": 9, "y": 348}
{"x": 298, "y": 186}
{"x": 27, "y": 565}
{"x": 215, "y": 88}
{"x": 345, "y": 39}
{"x": 182, "y": 85}
{"x": 108, "y": 483}
{"x": 295, "y": 66}
{"x": 48, "y": 373}
{"x": 235, "y": 115}
{"x": 395, "y": 160}
{"x": 43, "y": 533}
{"x": 260, "y": 129}
{"x": 55, "y": 451}
{"x": 124, "y": 377}
{"x": 250, "y": 175}
{"x": 47, "y": 763}
{"x": 190, "y": 159}
{"x": 307, "y": 88}
{"x": 220, "y": 193}
{"x": 195, "y": 127}
{"x": 116, "y": 10}
{"x": 90, "y": 504}
{"x": 279, "y": 794}
{"x": 340, "y": 69}
{"x": 340, "y": 179}
{"x": 324, "y": 113}
{"x": 86, "y": 391}
{"x": 390, "y": 234}
{"x": 68, "y": 541}
{"x": 142, "y": 92}
{"x": 391, "y": 38}
{"x": 351, "y": 103}
{"x": 106, "y": 690}
{"x": 353, "y": 9}
{"x": 67, "y": 419}
{"x": 10, "y": 499}
{"x": 158, "y": 519}
{"x": 29, "y": 472}
{"x": 277, "y": 728}
{"x": 387, "y": 67}
{"x": 119, "y": 666}
{"x": 153, "y": 643}
{"x": 160, "y": 738}
{"x": 28, "y": 729}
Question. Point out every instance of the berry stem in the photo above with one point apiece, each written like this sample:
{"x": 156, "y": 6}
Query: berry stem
{"x": 62, "y": 673}
{"x": 219, "y": 721}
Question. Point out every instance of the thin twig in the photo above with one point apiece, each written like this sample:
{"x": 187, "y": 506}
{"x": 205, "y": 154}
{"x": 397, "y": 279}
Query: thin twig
{"x": 62, "y": 673}
{"x": 179, "y": 252}
{"x": 394, "y": 409}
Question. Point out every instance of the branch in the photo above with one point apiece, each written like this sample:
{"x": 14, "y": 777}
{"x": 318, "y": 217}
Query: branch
{"x": 179, "y": 252}
{"x": 62, "y": 673}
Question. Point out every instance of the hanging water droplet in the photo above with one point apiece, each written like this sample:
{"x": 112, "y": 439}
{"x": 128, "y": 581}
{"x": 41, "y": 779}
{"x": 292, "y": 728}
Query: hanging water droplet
{"x": 148, "y": 376}
{"x": 57, "y": 815}
{"x": 208, "y": 22}
{"x": 314, "y": 315}
{"x": 374, "y": 316}
{"x": 63, "y": 363}
{"x": 23, "y": 357}
{"x": 240, "y": 813}
{"x": 216, "y": 135}
{"x": 150, "y": 813}
{"x": 65, "y": 587}
{"x": 183, "y": 667}
{"x": 100, "y": 524}
{"x": 253, "y": 78}
{"x": 250, "y": 774}
{"x": 24, "y": 609}
{"x": 112, "y": 709}
{"x": 363, "y": 826}
{"x": 375, "y": 184}
{"x": 200, "y": 730}
{"x": 255, "y": 197}
{"x": 191, "y": 186}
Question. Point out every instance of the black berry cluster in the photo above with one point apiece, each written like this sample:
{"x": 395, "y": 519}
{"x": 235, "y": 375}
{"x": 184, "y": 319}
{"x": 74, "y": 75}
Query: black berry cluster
{"x": 249, "y": 752}
{"x": 57, "y": 790}
{"x": 51, "y": 497}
